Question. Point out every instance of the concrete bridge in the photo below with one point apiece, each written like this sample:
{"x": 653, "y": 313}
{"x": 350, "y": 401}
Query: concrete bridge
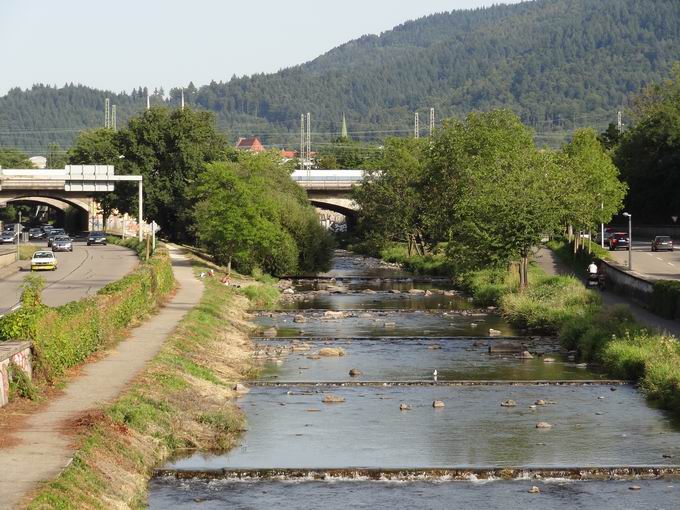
{"x": 74, "y": 186}
{"x": 331, "y": 189}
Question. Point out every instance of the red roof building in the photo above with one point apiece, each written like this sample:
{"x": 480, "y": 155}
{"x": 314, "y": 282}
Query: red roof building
{"x": 250, "y": 144}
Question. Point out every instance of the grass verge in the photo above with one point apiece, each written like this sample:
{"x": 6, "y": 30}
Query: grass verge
{"x": 183, "y": 400}
{"x": 434, "y": 264}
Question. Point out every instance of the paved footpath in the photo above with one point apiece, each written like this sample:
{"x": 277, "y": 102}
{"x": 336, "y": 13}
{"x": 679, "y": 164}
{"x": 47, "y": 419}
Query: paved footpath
{"x": 549, "y": 262}
{"x": 42, "y": 450}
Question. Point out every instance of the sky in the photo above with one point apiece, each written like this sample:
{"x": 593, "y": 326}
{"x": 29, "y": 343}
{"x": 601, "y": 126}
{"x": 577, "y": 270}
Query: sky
{"x": 129, "y": 43}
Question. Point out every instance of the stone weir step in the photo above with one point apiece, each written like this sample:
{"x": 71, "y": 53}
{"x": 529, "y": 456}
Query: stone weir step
{"x": 530, "y": 339}
{"x": 461, "y": 382}
{"x": 434, "y": 474}
{"x": 345, "y": 278}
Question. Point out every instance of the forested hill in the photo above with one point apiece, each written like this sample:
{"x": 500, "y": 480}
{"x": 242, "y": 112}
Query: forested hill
{"x": 558, "y": 63}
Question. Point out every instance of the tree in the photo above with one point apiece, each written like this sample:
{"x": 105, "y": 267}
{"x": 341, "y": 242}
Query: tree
{"x": 392, "y": 199}
{"x": 592, "y": 192}
{"x": 170, "y": 149}
{"x": 101, "y": 147}
{"x": 13, "y": 158}
{"x": 648, "y": 154}
{"x": 497, "y": 191}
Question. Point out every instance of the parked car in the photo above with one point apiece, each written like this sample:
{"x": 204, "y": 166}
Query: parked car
{"x": 9, "y": 237}
{"x": 96, "y": 238}
{"x": 662, "y": 243}
{"x": 54, "y": 233}
{"x": 36, "y": 233}
{"x": 62, "y": 243}
{"x": 43, "y": 260}
{"x": 619, "y": 240}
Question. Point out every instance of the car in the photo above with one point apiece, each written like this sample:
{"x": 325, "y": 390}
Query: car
{"x": 96, "y": 238}
{"x": 62, "y": 243}
{"x": 9, "y": 237}
{"x": 662, "y": 243}
{"x": 54, "y": 233}
{"x": 43, "y": 260}
{"x": 36, "y": 233}
{"x": 608, "y": 232}
{"x": 619, "y": 240}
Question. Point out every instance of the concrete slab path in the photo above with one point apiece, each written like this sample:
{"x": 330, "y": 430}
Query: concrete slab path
{"x": 43, "y": 449}
{"x": 547, "y": 260}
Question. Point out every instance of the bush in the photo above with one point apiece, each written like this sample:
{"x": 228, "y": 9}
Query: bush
{"x": 261, "y": 296}
{"x": 67, "y": 335}
{"x": 666, "y": 299}
{"x": 434, "y": 264}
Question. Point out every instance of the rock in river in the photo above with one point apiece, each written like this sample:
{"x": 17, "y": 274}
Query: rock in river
{"x": 534, "y": 490}
{"x": 404, "y": 407}
{"x": 525, "y": 355}
{"x": 508, "y": 403}
{"x": 330, "y": 314}
{"x": 299, "y": 319}
{"x": 438, "y": 404}
{"x": 543, "y": 425}
{"x": 494, "y": 332}
{"x": 270, "y": 333}
{"x": 240, "y": 389}
{"x": 333, "y": 399}
{"x": 355, "y": 372}
{"x": 330, "y": 352}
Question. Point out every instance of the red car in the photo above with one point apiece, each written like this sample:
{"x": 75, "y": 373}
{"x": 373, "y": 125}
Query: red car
{"x": 619, "y": 240}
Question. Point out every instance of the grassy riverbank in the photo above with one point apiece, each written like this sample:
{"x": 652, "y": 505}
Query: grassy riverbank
{"x": 561, "y": 305}
{"x": 183, "y": 400}
{"x": 608, "y": 336}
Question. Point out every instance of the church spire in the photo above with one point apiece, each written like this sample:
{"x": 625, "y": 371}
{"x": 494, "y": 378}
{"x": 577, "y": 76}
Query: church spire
{"x": 343, "y": 131}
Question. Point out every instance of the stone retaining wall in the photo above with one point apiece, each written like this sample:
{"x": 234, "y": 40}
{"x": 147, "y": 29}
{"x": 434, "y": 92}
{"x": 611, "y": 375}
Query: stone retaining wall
{"x": 18, "y": 353}
{"x": 629, "y": 283}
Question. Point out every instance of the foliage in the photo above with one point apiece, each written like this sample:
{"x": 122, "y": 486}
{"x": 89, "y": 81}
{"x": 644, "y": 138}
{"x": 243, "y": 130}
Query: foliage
{"x": 250, "y": 213}
{"x": 20, "y": 385}
{"x": 666, "y": 299}
{"x": 13, "y": 158}
{"x": 649, "y": 153}
{"x": 263, "y": 296}
{"x": 578, "y": 261}
{"x": 431, "y": 263}
{"x": 65, "y": 336}
{"x": 392, "y": 206}
{"x": 560, "y": 64}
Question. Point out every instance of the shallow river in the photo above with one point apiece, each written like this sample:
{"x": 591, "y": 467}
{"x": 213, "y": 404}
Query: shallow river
{"x": 384, "y": 444}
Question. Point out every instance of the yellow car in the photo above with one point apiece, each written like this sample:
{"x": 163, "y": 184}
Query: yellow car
{"x": 43, "y": 260}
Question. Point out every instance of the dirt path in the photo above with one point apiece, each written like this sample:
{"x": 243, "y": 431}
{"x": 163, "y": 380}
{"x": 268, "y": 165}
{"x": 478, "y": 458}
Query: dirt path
{"x": 547, "y": 260}
{"x": 43, "y": 448}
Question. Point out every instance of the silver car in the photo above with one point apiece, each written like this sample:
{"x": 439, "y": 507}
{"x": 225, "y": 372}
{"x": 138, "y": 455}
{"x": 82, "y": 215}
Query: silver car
{"x": 62, "y": 243}
{"x": 8, "y": 237}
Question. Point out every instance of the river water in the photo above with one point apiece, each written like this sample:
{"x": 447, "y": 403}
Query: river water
{"x": 385, "y": 445}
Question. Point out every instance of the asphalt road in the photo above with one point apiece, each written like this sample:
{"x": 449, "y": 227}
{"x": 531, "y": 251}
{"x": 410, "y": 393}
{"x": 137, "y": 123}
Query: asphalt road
{"x": 655, "y": 265}
{"x": 80, "y": 273}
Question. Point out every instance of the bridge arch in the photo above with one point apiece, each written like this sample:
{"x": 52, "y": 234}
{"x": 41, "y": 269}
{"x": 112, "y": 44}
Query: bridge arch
{"x": 81, "y": 205}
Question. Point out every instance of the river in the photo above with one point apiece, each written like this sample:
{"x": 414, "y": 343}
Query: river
{"x": 320, "y": 436}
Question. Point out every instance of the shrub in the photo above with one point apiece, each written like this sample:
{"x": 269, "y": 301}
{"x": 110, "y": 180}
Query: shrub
{"x": 666, "y": 299}
{"x": 67, "y": 335}
{"x": 261, "y": 296}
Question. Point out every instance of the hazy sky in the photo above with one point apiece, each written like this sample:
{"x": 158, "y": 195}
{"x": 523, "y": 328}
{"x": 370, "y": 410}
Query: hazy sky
{"x": 127, "y": 43}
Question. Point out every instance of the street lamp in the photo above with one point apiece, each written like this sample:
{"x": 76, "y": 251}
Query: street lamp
{"x": 602, "y": 225}
{"x": 630, "y": 240}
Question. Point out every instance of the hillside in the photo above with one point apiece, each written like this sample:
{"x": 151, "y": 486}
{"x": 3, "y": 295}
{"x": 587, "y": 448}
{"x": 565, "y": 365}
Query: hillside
{"x": 558, "y": 63}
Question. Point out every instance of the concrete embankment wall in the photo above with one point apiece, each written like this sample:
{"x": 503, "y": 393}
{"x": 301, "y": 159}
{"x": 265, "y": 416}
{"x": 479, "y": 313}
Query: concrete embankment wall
{"x": 18, "y": 353}
{"x": 629, "y": 283}
{"x": 7, "y": 257}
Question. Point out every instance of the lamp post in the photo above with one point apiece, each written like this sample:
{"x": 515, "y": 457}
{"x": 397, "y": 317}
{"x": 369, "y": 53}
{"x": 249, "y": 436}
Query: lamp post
{"x": 630, "y": 240}
{"x": 602, "y": 226}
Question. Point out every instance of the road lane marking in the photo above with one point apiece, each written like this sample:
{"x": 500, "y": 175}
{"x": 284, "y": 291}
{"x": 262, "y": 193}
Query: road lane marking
{"x": 648, "y": 254}
{"x": 659, "y": 258}
{"x": 671, "y": 264}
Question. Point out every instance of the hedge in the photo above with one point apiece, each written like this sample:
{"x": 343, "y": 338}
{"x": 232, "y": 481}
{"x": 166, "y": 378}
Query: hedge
{"x": 67, "y": 335}
{"x": 666, "y": 299}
